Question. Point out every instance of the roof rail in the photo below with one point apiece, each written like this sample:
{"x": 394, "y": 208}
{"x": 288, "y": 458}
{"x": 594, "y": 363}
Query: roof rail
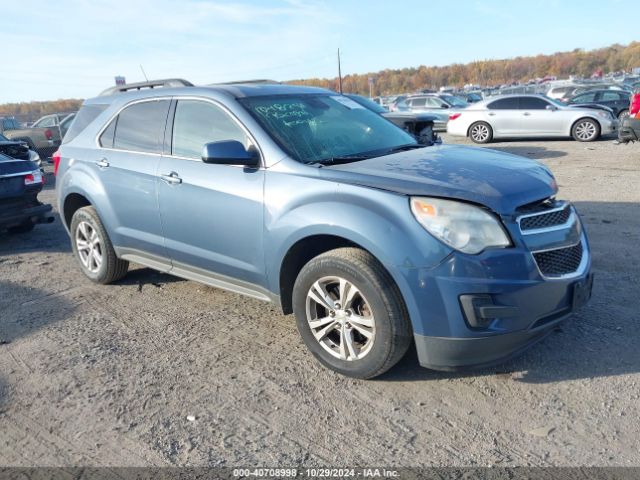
{"x": 245, "y": 82}
{"x": 167, "y": 82}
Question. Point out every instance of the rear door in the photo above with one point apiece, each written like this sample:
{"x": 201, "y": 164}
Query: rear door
{"x": 126, "y": 163}
{"x": 212, "y": 215}
{"x": 504, "y": 116}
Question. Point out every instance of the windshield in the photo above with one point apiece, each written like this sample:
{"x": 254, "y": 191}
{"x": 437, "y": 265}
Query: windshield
{"x": 454, "y": 101}
{"x": 3, "y": 138}
{"x": 555, "y": 102}
{"x": 317, "y": 127}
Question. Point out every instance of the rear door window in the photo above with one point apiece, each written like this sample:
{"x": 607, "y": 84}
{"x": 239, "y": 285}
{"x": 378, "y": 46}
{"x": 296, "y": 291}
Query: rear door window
{"x": 140, "y": 127}
{"x": 418, "y": 102}
{"x": 511, "y": 103}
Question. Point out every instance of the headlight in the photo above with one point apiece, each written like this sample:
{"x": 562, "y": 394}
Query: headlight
{"x": 465, "y": 227}
{"x": 604, "y": 114}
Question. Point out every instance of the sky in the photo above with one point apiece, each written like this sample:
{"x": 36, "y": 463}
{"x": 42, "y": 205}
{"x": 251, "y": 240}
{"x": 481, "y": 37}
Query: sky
{"x": 75, "y": 48}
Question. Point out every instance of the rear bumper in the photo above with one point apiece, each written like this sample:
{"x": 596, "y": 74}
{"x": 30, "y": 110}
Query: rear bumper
{"x": 14, "y": 218}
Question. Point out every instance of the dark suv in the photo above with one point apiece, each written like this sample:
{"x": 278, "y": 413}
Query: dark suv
{"x": 304, "y": 198}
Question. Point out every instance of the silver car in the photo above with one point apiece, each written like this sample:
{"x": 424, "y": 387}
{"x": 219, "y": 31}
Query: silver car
{"x": 437, "y": 104}
{"x": 511, "y": 116}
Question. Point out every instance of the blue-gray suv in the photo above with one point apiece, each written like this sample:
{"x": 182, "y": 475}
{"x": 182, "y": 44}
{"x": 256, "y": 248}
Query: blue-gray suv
{"x": 304, "y": 198}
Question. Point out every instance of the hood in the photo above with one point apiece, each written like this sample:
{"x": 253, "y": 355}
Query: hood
{"x": 593, "y": 106}
{"x": 497, "y": 180}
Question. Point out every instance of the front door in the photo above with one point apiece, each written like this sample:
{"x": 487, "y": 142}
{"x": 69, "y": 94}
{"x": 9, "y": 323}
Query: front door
{"x": 212, "y": 215}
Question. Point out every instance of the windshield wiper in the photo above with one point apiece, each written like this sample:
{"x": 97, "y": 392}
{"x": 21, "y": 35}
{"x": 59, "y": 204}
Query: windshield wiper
{"x": 403, "y": 148}
{"x": 340, "y": 159}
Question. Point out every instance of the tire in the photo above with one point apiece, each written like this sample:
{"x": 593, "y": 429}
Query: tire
{"x": 26, "y": 227}
{"x": 98, "y": 262}
{"x": 480, "y": 132}
{"x": 622, "y": 115}
{"x": 585, "y": 130}
{"x": 375, "y": 321}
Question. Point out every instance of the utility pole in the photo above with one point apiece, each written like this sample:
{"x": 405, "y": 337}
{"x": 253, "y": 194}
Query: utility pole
{"x": 339, "y": 73}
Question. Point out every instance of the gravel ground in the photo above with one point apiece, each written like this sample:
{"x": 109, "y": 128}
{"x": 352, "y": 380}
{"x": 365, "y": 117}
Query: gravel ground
{"x": 160, "y": 371}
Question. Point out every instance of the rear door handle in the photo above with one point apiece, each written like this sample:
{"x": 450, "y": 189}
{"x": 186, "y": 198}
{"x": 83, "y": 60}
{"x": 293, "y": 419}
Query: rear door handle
{"x": 526, "y": 114}
{"x": 491, "y": 114}
{"x": 171, "y": 178}
{"x": 102, "y": 163}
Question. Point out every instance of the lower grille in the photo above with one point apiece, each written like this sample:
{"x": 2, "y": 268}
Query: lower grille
{"x": 563, "y": 261}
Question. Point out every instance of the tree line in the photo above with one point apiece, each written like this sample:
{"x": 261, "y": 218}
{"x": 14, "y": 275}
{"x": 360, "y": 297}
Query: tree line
{"x": 488, "y": 72}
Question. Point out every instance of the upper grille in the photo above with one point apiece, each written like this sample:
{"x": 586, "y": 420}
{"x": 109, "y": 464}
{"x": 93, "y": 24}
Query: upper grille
{"x": 563, "y": 261}
{"x": 545, "y": 220}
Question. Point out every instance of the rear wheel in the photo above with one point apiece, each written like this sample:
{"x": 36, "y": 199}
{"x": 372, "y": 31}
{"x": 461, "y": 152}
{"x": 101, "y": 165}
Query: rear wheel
{"x": 481, "y": 132}
{"x": 585, "y": 130}
{"x": 93, "y": 249}
{"x": 350, "y": 313}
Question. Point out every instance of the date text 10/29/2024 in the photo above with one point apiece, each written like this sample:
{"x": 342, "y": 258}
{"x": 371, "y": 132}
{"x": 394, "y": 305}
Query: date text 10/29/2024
{"x": 315, "y": 473}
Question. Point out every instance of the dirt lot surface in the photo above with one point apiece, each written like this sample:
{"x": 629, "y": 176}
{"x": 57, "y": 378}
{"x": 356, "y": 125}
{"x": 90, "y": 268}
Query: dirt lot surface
{"x": 112, "y": 375}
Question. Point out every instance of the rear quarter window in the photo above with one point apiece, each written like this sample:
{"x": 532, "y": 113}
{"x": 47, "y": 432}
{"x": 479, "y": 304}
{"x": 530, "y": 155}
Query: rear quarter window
{"x": 84, "y": 117}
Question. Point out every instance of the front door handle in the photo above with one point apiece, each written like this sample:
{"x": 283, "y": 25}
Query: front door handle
{"x": 171, "y": 178}
{"x": 526, "y": 114}
{"x": 491, "y": 114}
{"x": 102, "y": 163}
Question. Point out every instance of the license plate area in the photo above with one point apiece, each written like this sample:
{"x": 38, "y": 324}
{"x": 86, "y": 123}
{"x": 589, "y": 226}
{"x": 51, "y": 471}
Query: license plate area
{"x": 582, "y": 291}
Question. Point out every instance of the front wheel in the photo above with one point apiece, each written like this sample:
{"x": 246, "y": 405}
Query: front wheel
{"x": 481, "y": 132}
{"x": 350, "y": 313}
{"x": 585, "y": 130}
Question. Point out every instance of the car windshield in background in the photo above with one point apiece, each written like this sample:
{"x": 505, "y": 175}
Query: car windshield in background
{"x": 367, "y": 102}
{"x": 316, "y": 128}
{"x": 455, "y": 101}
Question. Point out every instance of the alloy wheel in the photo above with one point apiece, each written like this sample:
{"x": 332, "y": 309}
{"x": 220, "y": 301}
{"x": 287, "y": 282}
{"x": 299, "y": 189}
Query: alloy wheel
{"x": 89, "y": 247}
{"x": 585, "y": 130}
{"x": 480, "y": 133}
{"x": 340, "y": 318}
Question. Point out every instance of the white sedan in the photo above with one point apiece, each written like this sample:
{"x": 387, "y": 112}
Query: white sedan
{"x": 509, "y": 116}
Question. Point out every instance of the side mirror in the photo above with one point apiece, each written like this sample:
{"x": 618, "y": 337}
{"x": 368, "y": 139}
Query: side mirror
{"x": 552, "y": 108}
{"x": 229, "y": 152}
{"x": 444, "y": 105}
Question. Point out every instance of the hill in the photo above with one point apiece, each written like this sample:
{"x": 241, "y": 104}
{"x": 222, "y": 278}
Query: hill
{"x": 489, "y": 72}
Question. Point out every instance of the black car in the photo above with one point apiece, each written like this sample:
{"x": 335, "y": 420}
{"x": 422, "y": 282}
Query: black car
{"x": 20, "y": 183}
{"x": 420, "y": 125}
{"x": 616, "y": 100}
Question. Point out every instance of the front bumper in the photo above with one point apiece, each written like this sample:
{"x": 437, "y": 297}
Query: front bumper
{"x": 518, "y": 304}
{"x": 610, "y": 126}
